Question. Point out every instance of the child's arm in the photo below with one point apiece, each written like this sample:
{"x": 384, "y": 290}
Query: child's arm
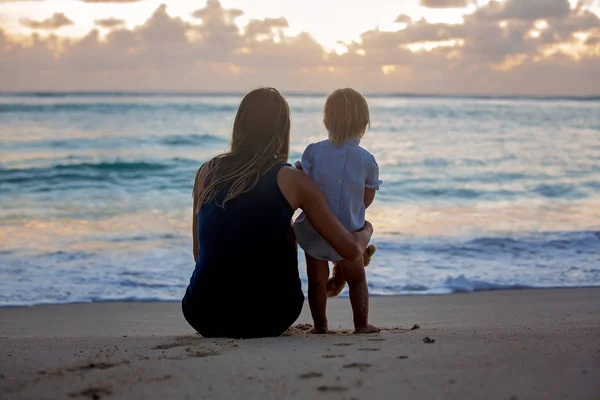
{"x": 372, "y": 181}
{"x": 369, "y": 196}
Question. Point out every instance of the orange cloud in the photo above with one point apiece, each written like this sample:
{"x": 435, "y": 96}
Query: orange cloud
{"x": 491, "y": 52}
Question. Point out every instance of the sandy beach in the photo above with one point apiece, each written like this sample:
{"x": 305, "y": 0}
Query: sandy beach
{"x": 531, "y": 344}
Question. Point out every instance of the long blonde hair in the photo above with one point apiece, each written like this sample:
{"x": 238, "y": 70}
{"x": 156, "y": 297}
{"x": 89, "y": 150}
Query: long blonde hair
{"x": 260, "y": 139}
{"x": 346, "y": 115}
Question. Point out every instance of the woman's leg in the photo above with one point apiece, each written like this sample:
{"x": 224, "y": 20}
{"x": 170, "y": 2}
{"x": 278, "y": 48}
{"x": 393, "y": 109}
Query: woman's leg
{"x": 354, "y": 272}
{"x": 282, "y": 317}
{"x": 188, "y": 314}
{"x": 317, "y": 272}
{"x": 205, "y": 320}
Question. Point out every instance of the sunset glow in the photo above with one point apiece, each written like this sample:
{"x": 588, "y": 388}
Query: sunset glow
{"x": 114, "y": 45}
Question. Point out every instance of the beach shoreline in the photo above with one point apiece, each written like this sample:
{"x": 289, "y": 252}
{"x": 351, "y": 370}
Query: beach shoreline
{"x": 499, "y": 345}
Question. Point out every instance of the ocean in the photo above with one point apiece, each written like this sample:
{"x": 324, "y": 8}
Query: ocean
{"x": 477, "y": 194}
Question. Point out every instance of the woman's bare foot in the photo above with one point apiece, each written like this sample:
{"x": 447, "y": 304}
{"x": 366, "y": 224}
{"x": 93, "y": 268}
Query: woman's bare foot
{"x": 318, "y": 331}
{"x": 367, "y": 329}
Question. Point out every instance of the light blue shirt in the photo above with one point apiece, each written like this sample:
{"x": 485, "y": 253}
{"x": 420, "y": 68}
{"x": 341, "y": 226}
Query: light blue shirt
{"x": 342, "y": 173}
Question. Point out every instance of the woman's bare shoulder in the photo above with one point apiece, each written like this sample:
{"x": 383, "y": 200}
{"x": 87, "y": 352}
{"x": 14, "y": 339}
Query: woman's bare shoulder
{"x": 203, "y": 170}
{"x": 292, "y": 176}
{"x": 294, "y": 185}
{"x": 200, "y": 178}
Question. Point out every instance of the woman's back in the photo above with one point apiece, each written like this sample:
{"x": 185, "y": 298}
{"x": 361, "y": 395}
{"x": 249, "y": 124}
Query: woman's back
{"x": 247, "y": 257}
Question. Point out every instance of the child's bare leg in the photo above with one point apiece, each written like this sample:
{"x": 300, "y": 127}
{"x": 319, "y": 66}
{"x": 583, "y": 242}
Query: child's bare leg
{"x": 317, "y": 272}
{"x": 354, "y": 272}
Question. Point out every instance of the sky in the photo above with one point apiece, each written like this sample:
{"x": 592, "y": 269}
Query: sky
{"x": 313, "y": 16}
{"x": 498, "y": 47}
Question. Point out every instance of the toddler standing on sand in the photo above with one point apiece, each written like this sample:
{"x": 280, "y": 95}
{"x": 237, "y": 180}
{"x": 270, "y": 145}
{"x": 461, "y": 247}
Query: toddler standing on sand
{"x": 348, "y": 176}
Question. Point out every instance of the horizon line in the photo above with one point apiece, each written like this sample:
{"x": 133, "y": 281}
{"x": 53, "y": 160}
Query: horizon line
{"x": 60, "y": 93}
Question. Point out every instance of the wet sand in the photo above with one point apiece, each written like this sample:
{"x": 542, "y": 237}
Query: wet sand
{"x": 530, "y": 344}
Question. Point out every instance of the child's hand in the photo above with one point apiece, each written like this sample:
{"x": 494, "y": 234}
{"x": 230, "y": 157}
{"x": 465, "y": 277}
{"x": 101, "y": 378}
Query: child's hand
{"x": 367, "y": 227}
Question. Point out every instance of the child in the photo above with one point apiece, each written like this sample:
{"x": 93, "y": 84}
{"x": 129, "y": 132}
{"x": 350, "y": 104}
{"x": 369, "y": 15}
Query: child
{"x": 348, "y": 176}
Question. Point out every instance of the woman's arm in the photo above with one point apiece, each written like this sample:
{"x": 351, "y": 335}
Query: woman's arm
{"x": 198, "y": 187}
{"x": 301, "y": 192}
{"x": 195, "y": 228}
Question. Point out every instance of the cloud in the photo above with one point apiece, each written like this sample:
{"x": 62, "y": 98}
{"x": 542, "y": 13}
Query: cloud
{"x": 492, "y": 33}
{"x": 564, "y": 29}
{"x": 267, "y": 27}
{"x": 592, "y": 41}
{"x": 218, "y": 33}
{"x": 56, "y": 21}
{"x": 525, "y": 10}
{"x": 109, "y": 22}
{"x": 445, "y": 3}
{"x": 532, "y": 10}
{"x": 214, "y": 11}
{"x": 403, "y": 19}
{"x": 497, "y": 49}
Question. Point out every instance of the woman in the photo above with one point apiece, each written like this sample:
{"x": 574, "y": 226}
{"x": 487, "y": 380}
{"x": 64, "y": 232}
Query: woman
{"x": 246, "y": 282}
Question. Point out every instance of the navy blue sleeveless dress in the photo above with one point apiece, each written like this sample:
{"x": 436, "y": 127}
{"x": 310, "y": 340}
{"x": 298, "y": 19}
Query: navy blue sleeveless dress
{"x": 246, "y": 282}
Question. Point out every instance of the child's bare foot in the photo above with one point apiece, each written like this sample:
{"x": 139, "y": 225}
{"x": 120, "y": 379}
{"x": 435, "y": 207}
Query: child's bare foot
{"x": 367, "y": 329}
{"x": 318, "y": 331}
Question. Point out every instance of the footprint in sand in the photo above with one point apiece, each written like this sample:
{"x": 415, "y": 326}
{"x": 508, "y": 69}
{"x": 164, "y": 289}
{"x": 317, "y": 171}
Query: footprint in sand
{"x": 160, "y": 378}
{"x": 169, "y": 358}
{"x": 102, "y": 365}
{"x": 200, "y": 354}
{"x": 333, "y": 355}
{"x": 376, "y": 340}
{"x": 368, "y": 349}
{"x": 309, "y": 375}
{"x": 331, "y": 388}
{"x": 94, "y": 393}
{"x": 87, "y": 367}
{"x": 343, "y": 344}
{"x": 358, "y": 365}
{"x": 167, "y": 346}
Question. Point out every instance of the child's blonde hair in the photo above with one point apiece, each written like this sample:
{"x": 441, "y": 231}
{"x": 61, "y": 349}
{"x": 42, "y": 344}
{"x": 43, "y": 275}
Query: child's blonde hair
{"x": 346, "y": 115}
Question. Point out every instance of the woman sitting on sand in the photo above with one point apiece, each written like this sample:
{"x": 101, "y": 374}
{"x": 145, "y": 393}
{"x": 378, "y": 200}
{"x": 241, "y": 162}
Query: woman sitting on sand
{"x": 246, "y": 282}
